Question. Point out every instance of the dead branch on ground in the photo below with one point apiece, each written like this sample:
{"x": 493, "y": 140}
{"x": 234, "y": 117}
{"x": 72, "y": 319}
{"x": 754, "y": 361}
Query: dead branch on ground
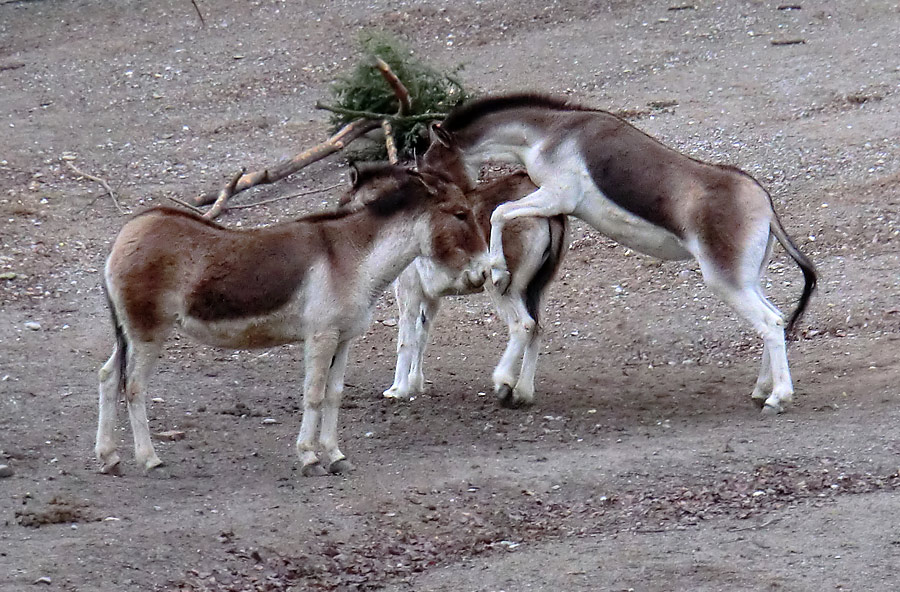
{"x": 80, "y": 173}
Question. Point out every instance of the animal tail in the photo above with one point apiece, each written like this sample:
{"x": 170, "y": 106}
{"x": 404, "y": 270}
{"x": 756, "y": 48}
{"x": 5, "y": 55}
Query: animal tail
{"x": 121, "y": 340}
{"x": 552, "y": 259}
{"x": 810, "y": 276}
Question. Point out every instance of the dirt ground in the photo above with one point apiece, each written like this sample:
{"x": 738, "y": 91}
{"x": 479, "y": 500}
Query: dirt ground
{"x": 643, "y": 465}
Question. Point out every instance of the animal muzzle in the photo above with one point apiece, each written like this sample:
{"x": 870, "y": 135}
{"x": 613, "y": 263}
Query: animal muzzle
{"x": 475, "y": 273}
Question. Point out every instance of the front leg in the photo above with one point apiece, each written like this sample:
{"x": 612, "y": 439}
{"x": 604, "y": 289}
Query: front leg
{"x": 319, "y": 353}
{"x": 417, "y": 310}
{"x": 546, "y": 202}
{"x": 334, "y": 390}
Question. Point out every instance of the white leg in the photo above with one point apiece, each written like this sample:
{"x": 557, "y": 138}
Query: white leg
{"x": 427, "y": 313}
{"x": 319, "y": 354}
{"x": 545, "y": 202}
{"x": 765, "y": 382}
{"x": 524, "y": 391}
{"x": 141, "y": 364}
{"x": 749, "y": 303}
{"x": 417, "y": 311}
{"x": 521, "y": 328}
{"x": 105, "y": 445}
{"x": 328, "y": 438}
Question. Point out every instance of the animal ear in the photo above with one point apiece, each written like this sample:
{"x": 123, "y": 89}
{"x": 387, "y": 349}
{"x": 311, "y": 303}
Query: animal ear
{"x": 441, "y": 135}
{"x": 354, "y": 174}
{"x": 429, "y": 181}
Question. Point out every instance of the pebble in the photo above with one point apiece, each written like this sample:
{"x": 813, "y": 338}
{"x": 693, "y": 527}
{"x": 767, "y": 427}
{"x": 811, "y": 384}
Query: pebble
{"x": 5, "y": 471}
{"x": 34, "y": 326}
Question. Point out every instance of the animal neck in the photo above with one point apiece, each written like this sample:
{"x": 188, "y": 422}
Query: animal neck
{"x": 501, "y": 139}
{"x": 396, "y": 244}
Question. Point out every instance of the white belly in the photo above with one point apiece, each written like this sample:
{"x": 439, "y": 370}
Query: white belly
{"x": 627, "y": 229}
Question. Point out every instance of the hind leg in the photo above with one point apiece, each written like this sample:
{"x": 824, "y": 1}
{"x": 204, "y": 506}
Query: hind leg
{"x": 141, "y": 364}
{"x": 749, "y": 303}
{"x": 524, "y": 391}
{"x": 507, "y": 375}
{"x": 105, "y": 444}
{"x": 765, "y": 382}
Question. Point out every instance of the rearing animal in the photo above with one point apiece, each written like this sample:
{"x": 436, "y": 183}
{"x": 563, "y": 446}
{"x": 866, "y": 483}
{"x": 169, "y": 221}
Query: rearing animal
{"x": 595, "y": 166}
{"x": 314, "y": 280}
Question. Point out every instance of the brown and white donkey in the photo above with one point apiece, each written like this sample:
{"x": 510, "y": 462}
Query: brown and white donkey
{"x": 595, "y": 166}
{"x": 314, "y": 280}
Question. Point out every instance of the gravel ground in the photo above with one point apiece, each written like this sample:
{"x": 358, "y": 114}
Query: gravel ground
{"x": 643, "y": 464}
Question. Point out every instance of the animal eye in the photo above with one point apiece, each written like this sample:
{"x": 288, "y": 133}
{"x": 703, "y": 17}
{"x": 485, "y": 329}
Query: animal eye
{"x": 461, "y": 215}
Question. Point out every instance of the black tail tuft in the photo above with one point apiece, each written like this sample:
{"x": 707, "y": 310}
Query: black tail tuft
{"x": 810, "y": 277}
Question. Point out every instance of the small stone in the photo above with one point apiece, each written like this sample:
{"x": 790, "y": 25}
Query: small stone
{"x": 8, "y": 275}
{"x": 269, "y": 421}
{"x": 33, "y": 325}
{"x": 44, "y": 580}
{"x": 170, "y": 435}
{"x": 5, "y": 471}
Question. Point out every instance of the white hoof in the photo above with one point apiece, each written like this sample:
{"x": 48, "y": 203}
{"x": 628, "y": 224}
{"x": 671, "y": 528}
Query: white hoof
{"x": 397, "y": 394}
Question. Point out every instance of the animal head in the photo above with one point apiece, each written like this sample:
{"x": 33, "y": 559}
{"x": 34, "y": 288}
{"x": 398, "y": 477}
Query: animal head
{"x": 453, "y": 237}
{"x": 444, "y": 158}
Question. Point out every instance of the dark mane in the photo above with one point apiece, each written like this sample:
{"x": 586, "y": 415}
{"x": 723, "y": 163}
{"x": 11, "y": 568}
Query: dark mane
{"x": 407, "y": 189}
{"x": 471, "y": 111}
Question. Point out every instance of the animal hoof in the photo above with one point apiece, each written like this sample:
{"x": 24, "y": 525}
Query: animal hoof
{"x": 313, "y": 470}
{"x": 760, "y": 402}
{"x": 340, "y": 467}
{"x": 396, "y": 394}
{"x": 154, "y": 466}
{"x": 771, "y": 409}
{"x": 505, "y": 396}
{"x": 110, "y": 466}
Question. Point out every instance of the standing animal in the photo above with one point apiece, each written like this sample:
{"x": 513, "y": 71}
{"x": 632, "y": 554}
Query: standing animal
{"x": 314, "y": 280}
{"x": 595, "y": 166}
{"x": 534, "y": 248}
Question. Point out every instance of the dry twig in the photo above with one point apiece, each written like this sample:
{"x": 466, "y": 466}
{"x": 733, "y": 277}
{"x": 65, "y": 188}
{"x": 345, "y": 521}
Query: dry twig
{"x": 219, "y": 205}
{"x": 185, "y": 204}
{"x": 281, "y": 197}
{"x": 333, "y": 144}
{"x": 80, "y": 173}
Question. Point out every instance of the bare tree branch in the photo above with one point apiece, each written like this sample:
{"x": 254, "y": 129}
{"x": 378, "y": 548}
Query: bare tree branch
{"x": 364, "y": 123}
{"x": 396, "y": 118}
{"x": 102, "y": 182}
{"x": 335, "y": 143}
{"x": 398, "y": 87}
{"x": 281, "y": 197}
{"x": 219, "y": 205}
{"x": 199, "y": 14}
{"x": 185, "y": 205}
{"x": 389, "y": 141}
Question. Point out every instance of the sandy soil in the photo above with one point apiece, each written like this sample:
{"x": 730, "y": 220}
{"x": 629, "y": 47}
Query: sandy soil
{"x": 643, "y": 464}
